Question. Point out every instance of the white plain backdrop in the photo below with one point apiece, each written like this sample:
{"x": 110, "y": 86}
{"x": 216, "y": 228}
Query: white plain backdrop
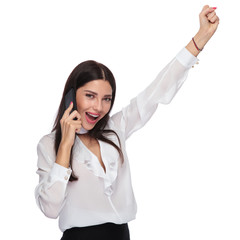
{"x": 189, "y": 186}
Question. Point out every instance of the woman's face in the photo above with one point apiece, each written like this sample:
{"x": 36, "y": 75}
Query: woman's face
{"x": 93, "y": 102}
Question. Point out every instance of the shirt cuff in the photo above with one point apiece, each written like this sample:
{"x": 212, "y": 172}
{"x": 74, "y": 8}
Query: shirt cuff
{"x": 59, "y": 173}
{"x": 186, "y": 58}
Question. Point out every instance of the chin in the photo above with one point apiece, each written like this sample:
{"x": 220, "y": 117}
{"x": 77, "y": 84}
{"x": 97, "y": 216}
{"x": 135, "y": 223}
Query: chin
{"x": 88, "y": 127}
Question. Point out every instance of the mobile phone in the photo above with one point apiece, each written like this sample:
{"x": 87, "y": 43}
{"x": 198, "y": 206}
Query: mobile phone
{"x": 70, "y": 97}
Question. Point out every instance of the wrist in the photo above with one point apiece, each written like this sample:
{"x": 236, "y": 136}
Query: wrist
{"x": 65, "y": 146}
{"x": 63, "y": 154}
{"x": 201, "y": 39}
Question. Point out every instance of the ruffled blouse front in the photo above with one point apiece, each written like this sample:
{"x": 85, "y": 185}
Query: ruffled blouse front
{"x": 109, "y": 157}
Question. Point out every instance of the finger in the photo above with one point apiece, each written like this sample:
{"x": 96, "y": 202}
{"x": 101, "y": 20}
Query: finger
{"x": 210, "y": 15}
{"x": 206, "y": 10}
{"x": 67, "y": 111}
{"x": 71, "y": 125}
{"x": 78, "y": 129}
{"x": 213, "y": 19}
{"x": 75, "y": 114}
{"x": 77, "y": 125}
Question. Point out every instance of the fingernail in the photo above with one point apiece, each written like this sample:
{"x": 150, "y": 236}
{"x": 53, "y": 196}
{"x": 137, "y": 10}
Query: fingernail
{"x": 214, "y": 8}
{"x": 70, "y": 103}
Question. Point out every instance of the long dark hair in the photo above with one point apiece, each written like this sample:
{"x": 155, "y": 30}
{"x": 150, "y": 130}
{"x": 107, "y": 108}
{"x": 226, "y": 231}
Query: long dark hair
{"x": 83, "y": 73}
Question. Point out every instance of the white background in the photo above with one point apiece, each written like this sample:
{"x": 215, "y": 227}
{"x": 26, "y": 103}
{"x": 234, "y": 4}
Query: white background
{"x": 185, "y": 163}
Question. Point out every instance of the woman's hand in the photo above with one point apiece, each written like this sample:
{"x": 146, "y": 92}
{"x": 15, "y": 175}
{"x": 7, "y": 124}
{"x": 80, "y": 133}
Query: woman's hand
{"x": 208, "y": 22}
{"x": 70, "y": 124}
{"x": 69, "y": 127}
{"x": 208, "y": 25}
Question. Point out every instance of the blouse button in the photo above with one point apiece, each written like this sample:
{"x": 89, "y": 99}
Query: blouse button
{"x": 196, "y": 63}
{"x": 66, "y": 178}
{"x": 69, "y": 172}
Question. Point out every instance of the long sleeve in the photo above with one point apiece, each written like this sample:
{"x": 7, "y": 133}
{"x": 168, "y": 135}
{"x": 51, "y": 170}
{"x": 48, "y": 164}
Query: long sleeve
{"x": 53, "y": 179}
{"x": 161, "y": 90}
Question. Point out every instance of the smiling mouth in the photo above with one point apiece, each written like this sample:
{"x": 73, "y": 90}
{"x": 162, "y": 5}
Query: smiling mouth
{"x": 92, "y": 117}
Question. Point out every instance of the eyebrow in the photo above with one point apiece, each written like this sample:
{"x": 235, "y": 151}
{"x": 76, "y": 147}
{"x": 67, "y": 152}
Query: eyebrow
{"x": 94, "y": 93}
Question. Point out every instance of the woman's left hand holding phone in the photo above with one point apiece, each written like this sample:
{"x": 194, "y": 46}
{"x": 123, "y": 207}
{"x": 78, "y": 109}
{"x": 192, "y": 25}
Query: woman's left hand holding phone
{"x": 69, "y": 127}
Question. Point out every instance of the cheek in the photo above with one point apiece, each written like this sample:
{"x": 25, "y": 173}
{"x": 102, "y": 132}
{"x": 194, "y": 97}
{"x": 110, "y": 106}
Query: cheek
{"x": 82, "y": 104}
{"x": 107, "y": 108}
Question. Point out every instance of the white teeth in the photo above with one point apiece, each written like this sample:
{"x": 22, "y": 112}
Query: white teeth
{"x": 95, "y": 116}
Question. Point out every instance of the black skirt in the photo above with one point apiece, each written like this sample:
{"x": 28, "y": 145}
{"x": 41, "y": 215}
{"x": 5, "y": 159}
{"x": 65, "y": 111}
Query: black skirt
{"x": 107, "y": 231}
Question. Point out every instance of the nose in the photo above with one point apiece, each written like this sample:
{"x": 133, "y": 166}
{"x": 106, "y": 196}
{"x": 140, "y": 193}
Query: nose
{"x": 98, "y": 105}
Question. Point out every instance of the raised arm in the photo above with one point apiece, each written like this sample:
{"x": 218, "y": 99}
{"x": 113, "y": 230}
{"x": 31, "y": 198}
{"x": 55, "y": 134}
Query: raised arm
{"x": 169, "y": 80}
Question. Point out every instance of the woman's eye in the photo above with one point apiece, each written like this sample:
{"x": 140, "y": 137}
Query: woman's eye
{"x": 89, "y": 95}
{"x": 108, "y": 99}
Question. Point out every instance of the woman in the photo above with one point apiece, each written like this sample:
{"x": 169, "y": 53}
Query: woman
{"x": 83, "y": 165}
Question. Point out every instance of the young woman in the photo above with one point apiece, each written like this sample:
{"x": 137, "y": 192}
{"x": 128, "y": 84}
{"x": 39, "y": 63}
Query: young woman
{"x": 83, "y": 165}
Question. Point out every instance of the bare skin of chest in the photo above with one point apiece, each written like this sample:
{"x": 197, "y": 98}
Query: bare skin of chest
{"x": 93, "y": 145}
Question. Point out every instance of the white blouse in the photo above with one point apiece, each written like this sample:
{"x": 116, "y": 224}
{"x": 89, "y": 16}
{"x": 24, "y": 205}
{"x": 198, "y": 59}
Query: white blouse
{"x": 98, "y": 197}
